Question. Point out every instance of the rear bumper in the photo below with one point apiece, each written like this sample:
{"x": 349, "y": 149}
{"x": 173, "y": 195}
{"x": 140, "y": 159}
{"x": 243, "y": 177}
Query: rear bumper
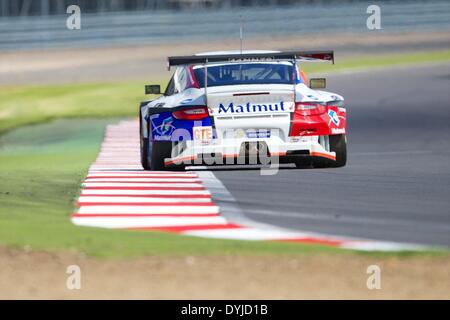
{"x": 231, "y": 151}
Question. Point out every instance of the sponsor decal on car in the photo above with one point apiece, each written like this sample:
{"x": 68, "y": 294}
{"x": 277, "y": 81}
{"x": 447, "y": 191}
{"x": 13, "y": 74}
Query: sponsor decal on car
{"x": 166, "y": 125}
{"x": 334, "y": 116}
{"x": 337, "y": 130}
{"x": 251, "y": 108}
{"x": 261, "y": 133}
{"x": 203, "y": 135}
{"x": 162, "y": 128}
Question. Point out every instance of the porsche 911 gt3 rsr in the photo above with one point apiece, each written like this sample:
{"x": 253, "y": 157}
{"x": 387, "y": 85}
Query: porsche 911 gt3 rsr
{"x": 232, "y": 107}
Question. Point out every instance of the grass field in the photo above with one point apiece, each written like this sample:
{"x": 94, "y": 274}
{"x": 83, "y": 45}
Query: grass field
{"x": 41, "y": 167}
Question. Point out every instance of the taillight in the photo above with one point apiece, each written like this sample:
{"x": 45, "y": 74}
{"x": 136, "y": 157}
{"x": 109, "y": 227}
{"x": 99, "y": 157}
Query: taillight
{"x": 191, "y": 113}
{"x": 309, "y": 108}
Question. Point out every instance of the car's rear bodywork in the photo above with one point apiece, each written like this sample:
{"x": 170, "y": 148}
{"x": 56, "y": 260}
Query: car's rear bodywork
{"x": 218, "y": 107}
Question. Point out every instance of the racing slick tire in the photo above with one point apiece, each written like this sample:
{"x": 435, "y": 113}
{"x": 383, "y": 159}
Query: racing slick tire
{"x": 144, "y": 146}
{"x": 338, "y": 144}
{"x": 145, "y": 154}
{"x": 159, "y": 151}
{"x": 153, "y": 154}
{"x": 152, "y": 157}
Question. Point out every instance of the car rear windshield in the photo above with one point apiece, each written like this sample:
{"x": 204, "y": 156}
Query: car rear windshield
{"x": 248, "y": 73}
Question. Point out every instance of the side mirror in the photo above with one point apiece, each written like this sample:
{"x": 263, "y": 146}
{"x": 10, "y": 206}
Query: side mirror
{"x": 318, "y": 83}
{"x": 152, "y": 89}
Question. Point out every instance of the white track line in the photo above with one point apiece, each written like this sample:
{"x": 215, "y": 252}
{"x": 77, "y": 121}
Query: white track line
{"x": 144, "y": 192}
{"x": 149, "y": 209}
{"x": 142, "y": 172}
{"x": 247, "y": 234}
{"x": 142, "y": 184}
{"x": 145, "y": 179}
{"x": 146, "y": 222}
{"x": 140, "y": 175}
{"x": 112, "y": 200}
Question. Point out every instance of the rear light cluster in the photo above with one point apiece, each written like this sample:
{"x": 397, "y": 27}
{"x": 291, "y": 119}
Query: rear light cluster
{"x": 191, "y": 113}
{"x": 309, "y": 108}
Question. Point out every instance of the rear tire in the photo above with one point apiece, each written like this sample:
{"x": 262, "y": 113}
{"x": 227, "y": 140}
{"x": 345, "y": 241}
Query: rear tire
{"x": 144, "y": 154}
{"x": 144, "y": 144}
{"x": 338, "y": 144}
{"x": 153, "y": 153}
{"x": 159, "y": 151}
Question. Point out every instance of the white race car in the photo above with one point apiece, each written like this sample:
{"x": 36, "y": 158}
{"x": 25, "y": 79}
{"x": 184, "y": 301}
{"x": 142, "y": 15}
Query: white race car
{"x": 243, "y": 107}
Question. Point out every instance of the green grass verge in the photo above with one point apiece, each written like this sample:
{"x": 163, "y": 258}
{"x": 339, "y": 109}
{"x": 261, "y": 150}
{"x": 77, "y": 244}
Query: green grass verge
{"x": 41, "y": 168}
{"x": 35, "y": 104}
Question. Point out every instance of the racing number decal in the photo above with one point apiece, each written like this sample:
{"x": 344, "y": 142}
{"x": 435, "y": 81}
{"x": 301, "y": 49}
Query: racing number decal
{"x": 202, "y": 134}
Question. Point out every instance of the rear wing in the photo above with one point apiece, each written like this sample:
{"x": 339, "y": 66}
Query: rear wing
{"x": 311, "y": 56}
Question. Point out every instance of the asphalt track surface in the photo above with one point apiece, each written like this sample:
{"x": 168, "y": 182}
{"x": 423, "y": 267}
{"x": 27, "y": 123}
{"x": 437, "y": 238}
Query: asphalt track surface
{"x": 396, "y": 185}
